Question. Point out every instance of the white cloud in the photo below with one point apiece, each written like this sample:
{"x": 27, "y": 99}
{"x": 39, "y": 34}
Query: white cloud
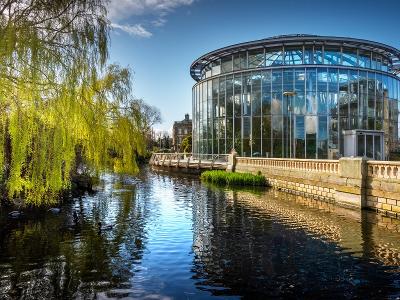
{"x": 159, "y": 22}
{"x": 123, "y": 9}
{"x": 135, "y": 30}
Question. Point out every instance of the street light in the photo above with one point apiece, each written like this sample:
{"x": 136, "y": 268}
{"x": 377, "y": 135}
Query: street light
{"x": 289, "y": 94}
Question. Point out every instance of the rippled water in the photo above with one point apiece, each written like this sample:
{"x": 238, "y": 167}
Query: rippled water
{"x": 174, "y": 238}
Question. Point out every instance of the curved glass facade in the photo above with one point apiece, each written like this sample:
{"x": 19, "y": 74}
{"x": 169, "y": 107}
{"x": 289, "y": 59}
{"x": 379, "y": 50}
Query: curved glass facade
{"x": 293, "y": 101}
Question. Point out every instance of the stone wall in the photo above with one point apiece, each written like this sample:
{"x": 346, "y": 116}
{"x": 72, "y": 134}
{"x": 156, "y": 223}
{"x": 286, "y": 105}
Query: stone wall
{"x": 383, "y": 187}
{"x": 352, "y": 182}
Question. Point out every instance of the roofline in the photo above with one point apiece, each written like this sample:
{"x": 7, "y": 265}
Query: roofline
{"x": 390, "y": 52}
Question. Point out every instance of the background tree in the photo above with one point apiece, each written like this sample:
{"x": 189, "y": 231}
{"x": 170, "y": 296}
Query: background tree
{"x": 186, "y": 145}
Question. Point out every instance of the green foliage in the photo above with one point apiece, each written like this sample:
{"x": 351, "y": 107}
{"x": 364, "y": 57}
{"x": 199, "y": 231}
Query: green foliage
{"x": 231, "y": 179}
{"x": 186, "y": 145}
{"x": 58, "y": 95}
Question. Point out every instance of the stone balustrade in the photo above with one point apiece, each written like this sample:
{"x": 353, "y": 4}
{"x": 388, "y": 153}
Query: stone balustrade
{"x": 311, "y": 165}
{"x": 384, "y": 169}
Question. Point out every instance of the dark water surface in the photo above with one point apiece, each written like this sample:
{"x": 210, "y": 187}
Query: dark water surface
{"x": 174, "y": 238}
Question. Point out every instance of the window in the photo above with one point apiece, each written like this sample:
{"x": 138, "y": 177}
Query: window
{"x": 240, "y": 61}
{"x": 226, "y": 64}
{"x": 364, "y": 59}
{"x": 349, "y": 57}
{"x": 273, "y": 57}
{"x": 332, "y": 56}
{"x": 216, "y": 67}
{"x": 256, "y": 58}
{"x": 308, "y": 55}
{"x": 293, "y": 56}
{"x": 318, "y": 59}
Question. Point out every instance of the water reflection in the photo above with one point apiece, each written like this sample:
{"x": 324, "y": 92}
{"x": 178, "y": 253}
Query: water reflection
{"x": 174, "y": 238}
{"x": 276, "y": 244}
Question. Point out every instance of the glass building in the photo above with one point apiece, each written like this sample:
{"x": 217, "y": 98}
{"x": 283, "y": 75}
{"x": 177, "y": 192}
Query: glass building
{"x": 296, "y": 96}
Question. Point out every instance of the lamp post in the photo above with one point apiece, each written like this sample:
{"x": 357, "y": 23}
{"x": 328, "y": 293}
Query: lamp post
{"x": 289, "y": 94}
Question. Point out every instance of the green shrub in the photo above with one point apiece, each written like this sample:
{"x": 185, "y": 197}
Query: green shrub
{"x": 225, "y": 178}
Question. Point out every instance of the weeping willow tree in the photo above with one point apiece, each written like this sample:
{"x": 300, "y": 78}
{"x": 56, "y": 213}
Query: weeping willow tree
{"x": 57, "y": 95}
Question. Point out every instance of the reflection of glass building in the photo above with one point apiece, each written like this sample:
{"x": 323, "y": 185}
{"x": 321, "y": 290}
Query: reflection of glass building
{"x": 293, "y": 96}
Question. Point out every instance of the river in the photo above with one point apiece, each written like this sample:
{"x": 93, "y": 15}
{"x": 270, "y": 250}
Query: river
{"x": 168, "y": 236}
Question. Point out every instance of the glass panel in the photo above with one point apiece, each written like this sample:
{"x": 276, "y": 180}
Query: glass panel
{"x": 311, "y": 79}
{"x": 229, "y": 96}
{"x": 246, "y": 136}
{"x": 322, "y": 79}
{"x": 266, "y": 92}
{"x": 221, "y": 136}
{"x": 237, "y": 128}
{"x": 322, "y": 90}
{"x": 322, "y": 103}
{"x": 371, "y": 95}
{"x": 207, "y": 70}
{"x": 377, "y": 147}
{"x": 246, "y": 128}
{"x": 266, "y": 136}
{"x": 256, "y": 58}
{"x": 308, "y": 55}
{"x": 369, "y": 144}
{"x": 256, "y": 136}
{"x": 353, "y": 99}
{"x": 322, "y": 138}
{"x": 360, "y": 145}
{"x": 311, "y": 103}
{"x": 293, "y": 56}
{"x": 364, "y": 59}
{"x": 229, "y": 134}
{"x": 237, "y": 90}
{"x": 349, "y": 57}
{"x": 246, "y": 96}
{"x": 318, "y": 59}
{"x": 333, "y": 147}
{"x": 226, "y": 64}
{"x": 379, "y": 96}
{"x": 215, "y": 89}
{"x": 240, "y": 61}
{"x": 378, "y": 61}
{"x": 273, "y": 57}
{"x": 276, "y": 104}
{"x": 216, "y": 67}
{"x": 215, "y": 136}
{"x": 343, "y": 93}
{"x": 299, "y": 137}
{"x": 385, "y": 64}
{"x": 333, "y": 95}
{"x": 256, "y": 94}
{"x": 332, "y": 56}
{"x": 298, "y": 103}
{"x": 222, "y": 81}
{"x": 363, "y": 99}
{"x": 288, "y": 80}
{"x": 311, "y": 136}
{"x": 277, "y": 136}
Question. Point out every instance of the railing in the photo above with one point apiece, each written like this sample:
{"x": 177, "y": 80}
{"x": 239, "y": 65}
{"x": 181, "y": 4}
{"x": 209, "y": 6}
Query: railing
{"x": 312, "y": 165}
{"x": 383, "y": 169}
{"x": 187, "y": 160}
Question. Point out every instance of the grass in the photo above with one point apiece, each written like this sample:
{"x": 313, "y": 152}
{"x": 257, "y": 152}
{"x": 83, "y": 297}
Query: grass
{"x": 233, "y": 179}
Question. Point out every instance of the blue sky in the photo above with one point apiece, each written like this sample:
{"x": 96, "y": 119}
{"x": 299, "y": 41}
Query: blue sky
{"x": 159, "y": 39}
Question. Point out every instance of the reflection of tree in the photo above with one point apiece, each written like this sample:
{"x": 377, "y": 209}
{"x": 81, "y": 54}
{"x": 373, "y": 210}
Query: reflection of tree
{"x": 54, "y": 259}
